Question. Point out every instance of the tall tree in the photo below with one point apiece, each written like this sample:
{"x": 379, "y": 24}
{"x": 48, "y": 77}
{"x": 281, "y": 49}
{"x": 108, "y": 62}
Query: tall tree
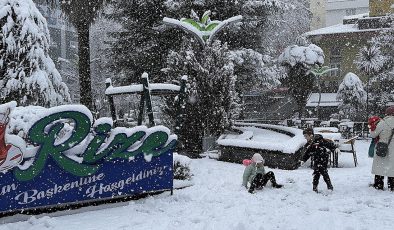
{"x": 299, "y": 60}
{"x": 27, "y": 73}
{"x": 82, "y": 14}
{"x": 212, "y": 103}
{"x": 141, "y": 45}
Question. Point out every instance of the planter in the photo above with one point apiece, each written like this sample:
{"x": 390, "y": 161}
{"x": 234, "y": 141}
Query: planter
{"x": 282, "y": 155}
{"x": 273, "y": 159}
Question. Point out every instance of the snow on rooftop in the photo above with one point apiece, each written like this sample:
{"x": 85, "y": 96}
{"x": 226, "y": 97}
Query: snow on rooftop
{"x": 327, "y": 99}
{"x": 338, "y": 29}
{"x": 363, "y": 15}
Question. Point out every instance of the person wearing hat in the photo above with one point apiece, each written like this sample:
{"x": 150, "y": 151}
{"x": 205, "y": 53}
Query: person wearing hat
{"x": 318, "y": 148}
{"x": 384, "y": 166}
{"x": 256, "y": 176}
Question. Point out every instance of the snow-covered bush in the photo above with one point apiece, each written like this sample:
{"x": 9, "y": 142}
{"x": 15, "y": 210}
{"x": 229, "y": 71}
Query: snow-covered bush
{"x": 352, "y": 95}
{"x": 27, "y": 73}
{"x": 182, "y": 167}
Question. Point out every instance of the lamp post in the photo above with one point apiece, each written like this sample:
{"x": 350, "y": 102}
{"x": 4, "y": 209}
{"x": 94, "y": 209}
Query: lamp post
{"x": 366, "y": 112}
{"x": 319, "y": 72}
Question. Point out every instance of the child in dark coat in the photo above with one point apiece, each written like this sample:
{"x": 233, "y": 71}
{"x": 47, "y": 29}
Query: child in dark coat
{"x": 319, "y": 149}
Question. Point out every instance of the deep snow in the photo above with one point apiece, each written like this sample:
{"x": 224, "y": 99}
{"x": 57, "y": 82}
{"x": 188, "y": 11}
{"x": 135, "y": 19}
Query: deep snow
{"x": 218, "y": 201}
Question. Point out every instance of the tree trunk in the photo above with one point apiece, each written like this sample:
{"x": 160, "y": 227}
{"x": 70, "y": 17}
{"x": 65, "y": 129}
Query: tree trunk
{"x": 85, "y": 87}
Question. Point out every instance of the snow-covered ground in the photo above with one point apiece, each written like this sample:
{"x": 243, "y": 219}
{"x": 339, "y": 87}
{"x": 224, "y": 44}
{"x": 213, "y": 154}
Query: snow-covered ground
{"x": 218, "y": 201}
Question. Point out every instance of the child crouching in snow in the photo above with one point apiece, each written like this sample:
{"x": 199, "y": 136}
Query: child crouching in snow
{"x": 256, "y": 176}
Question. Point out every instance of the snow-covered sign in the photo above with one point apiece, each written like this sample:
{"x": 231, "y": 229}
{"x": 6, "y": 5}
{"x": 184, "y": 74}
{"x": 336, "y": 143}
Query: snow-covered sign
{"x": 68, "y": 158}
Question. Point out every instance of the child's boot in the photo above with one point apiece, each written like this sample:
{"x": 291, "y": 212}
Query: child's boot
{"x": 277, "y": 185}
{"x": 315, "y": 188}
{"x": 330, "y": 187}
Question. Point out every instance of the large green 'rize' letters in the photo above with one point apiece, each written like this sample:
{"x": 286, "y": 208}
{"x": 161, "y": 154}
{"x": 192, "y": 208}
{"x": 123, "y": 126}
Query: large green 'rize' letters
{"x": 46, "y": 141}
{"x": 44, "y": 133}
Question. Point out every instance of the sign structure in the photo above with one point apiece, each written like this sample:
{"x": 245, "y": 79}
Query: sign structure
{"x": 85, "y": 162}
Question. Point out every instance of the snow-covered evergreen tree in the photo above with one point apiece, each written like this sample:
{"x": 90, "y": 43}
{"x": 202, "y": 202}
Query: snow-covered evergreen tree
{"x": 376, "y": 60}
{"x": 212, "y": 103}
{"x": 298, "y": 61}
{"x": 27, "y": 73}
{"x": 141, "y": 45}
{"x": 352, "y": 95}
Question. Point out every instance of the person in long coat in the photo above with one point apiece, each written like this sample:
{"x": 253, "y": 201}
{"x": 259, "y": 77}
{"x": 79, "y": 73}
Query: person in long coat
{"x": 384, "y": 166}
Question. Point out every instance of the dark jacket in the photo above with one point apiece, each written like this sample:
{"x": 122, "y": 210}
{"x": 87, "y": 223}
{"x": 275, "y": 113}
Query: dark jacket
{"x": 319, "y": 149}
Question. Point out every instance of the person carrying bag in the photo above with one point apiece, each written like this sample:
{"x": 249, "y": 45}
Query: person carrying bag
{"x": 383, "y": 160}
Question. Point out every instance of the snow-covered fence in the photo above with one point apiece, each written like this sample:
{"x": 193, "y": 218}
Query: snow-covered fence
{"x": 281, "y": 146}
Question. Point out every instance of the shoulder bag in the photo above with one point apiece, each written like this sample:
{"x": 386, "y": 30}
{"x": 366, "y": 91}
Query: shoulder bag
{"x": 383, "y": 148}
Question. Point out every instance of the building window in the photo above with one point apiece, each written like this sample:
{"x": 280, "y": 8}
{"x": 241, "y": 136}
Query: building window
{"x": 337, "y": 72}
{"x": 74, "y": 45}
{"x": 335, "y": 52}
{"x": 351, "y": 11}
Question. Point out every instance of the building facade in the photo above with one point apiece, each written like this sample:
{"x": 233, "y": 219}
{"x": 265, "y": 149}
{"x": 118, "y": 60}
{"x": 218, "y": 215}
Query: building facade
{"x": 63, "y": 47}
{"x": 318, "y": 10}
{"x": 337, "y": 10}
{"x": 342, "y": 42}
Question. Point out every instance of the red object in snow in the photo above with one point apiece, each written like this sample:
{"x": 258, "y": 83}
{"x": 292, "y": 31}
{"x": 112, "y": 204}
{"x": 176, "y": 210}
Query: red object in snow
{"x": 3, "y": 146}
{"x": 372, "y": 122}
{"x": 247, "y": 162}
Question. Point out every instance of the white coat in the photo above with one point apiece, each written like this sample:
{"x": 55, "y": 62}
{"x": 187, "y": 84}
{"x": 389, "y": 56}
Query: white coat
{"x": 384, "y": 166}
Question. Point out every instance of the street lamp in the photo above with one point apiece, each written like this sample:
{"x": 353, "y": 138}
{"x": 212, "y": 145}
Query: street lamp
{"x": 319, "y": 72}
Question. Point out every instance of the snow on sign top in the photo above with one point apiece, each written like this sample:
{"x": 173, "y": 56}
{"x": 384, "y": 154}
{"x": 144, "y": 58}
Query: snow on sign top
{"x": 138, "y": 88}
{"x": 327, "y": 99}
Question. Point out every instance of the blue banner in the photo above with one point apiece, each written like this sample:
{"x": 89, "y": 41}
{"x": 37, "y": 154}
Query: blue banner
{"x": 55, "y": 187}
